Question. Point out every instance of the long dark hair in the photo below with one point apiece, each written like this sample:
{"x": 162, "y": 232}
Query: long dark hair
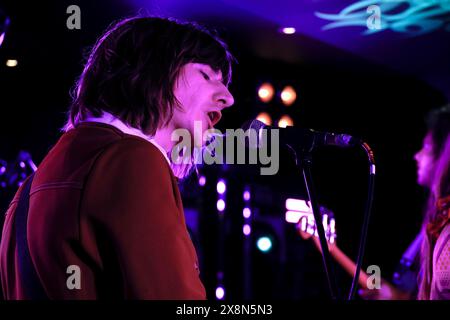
{"x": 439, "y": 128}
{"x": 132, "y": 69}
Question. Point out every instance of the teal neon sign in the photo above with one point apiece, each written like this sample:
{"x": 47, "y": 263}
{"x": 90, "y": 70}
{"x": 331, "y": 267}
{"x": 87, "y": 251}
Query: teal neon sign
{"x": 414, "y": 17}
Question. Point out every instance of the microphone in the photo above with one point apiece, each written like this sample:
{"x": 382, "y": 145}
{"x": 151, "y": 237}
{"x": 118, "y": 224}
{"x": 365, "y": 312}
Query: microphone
{"x": 297, "y": 138}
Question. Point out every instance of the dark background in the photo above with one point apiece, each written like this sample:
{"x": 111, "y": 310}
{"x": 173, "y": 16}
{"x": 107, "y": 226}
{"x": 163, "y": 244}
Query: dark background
{"x": 377, "y": 87}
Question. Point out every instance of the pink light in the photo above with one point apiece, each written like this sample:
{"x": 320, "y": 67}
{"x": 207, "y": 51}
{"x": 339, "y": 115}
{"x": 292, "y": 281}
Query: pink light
{"x": 221, "y": 187}
{"x": 247, "y": 230}
{"x": 298, "y": 205}
{"x": 293, "y": 216}
{"x": 221, "y": 205}
{"x": 220, "y": 293}
{"x": 246, "y": 213}
{"x": 246, "y": 195}
{"x": 202, "y": 181}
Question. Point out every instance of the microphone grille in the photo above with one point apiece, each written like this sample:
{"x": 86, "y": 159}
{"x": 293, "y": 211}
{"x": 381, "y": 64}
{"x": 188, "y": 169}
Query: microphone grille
{"x": 253, "y": 124}
{"x": 252, "y": 128}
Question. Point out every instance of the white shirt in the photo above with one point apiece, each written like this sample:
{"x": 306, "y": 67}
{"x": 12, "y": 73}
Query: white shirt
{"x": 119, "y": 124}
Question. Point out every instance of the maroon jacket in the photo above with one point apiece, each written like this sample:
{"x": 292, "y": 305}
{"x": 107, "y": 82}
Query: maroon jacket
{"x": 107, "y": 202}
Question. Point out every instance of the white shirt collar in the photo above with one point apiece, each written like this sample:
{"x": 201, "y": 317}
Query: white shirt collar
{"x": 119, "y": 124}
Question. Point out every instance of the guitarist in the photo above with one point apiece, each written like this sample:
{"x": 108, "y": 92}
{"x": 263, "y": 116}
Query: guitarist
{"x": 433, "y": 163}
{"x": 430, "y": 247}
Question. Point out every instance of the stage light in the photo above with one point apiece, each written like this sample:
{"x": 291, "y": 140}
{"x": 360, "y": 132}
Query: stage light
{"x": 220, "y": 293}
{"x": 288, "y": 30}
{"x": 202, "y": 181}
{"x": 265, "y": 118}
{"x": 264, "y": 244}
{"x": 221, "y": 187}
{"x": 288, "y": 95}
{"x": 246, "y": 195}
{"x": 247, "y": 230}
{"x": 298, "y": 205}
{"x": 11, "y": 63}
{"x": 246, "y": 213}
{"x": 266, "y": 92}
{"x": 285, "y": 121}
{"x": 220, "y": 205}
{"x": 293, "y": 216}
{"x": 4, "y": 25}
{"x": 2, "y": 167}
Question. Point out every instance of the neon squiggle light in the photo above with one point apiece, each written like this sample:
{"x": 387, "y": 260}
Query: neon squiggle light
{"x": 414, "y": 17}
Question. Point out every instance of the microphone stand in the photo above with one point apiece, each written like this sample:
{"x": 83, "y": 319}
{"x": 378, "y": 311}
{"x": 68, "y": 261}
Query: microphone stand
{"x": 306, "y": 164}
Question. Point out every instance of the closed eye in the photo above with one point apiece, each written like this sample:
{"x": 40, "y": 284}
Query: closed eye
{"x": 205, "y": 75}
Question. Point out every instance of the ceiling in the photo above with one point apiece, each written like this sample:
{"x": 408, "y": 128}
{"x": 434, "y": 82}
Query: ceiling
{"x": 414, "y": 37}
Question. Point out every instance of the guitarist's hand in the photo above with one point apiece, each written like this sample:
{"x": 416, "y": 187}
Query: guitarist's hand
{"x": 386, "y": 292}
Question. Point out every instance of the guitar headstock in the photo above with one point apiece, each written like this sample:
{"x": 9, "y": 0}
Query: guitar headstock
{"x": 300, "y": 213}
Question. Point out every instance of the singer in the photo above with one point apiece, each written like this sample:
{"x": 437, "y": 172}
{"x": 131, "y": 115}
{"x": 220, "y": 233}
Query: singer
{"x": 105, "y": 216}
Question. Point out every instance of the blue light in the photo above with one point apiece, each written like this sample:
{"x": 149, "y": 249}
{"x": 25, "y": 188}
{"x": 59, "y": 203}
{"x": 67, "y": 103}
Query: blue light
{"x": 416, "y": 18}
{"x": 264, "y": 244}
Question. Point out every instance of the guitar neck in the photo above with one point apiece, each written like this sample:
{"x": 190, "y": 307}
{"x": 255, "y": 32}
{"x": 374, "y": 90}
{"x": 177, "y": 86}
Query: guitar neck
{"x": 345, "y": 262}
{"x": 349, "y": 266}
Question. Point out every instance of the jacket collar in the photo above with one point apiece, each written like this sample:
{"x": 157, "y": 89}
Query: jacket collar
{"x": 112, "y": 120}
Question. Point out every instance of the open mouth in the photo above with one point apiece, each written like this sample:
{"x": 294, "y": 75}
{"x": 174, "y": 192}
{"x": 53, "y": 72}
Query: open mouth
{"x": 214, "y": 117}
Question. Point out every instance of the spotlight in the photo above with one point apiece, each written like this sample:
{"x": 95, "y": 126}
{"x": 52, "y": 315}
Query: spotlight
{"x": 264, "y": 244}
{"x": 220, "y": 293}
{"x": 202, "y": 181}
{"x": 288, "y": 95}
{"x": 221, "y": 187}
{"x": 265, "y": 92}
{"x": 246, "y": 230}
{"x": 246, "y": 213}
{"x": 246, "y": 195}
{"x": 288, "y": 30}
{"x": 11, "y": 63}
{"x": 285, "y": 121}
{"x": 220, "y": 205}
{"x": 265, "y": 118}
